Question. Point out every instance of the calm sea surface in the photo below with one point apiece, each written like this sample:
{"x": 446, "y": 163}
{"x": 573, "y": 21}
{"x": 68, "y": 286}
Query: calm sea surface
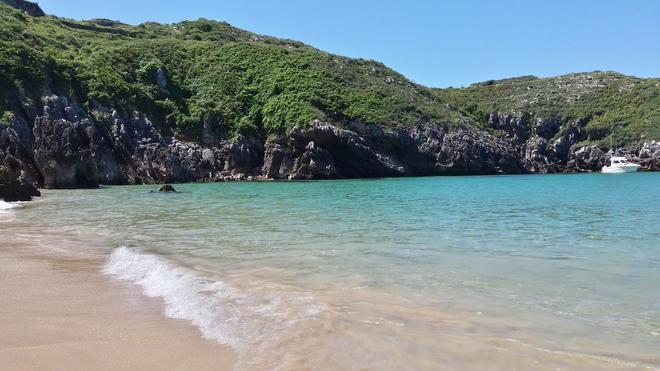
{"x": 417, "y": 273}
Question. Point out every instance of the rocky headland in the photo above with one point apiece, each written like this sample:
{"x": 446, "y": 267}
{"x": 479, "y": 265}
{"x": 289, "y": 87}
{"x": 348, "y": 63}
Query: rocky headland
{"x": 58, "y": 145}
{"x": 81, "y": 140}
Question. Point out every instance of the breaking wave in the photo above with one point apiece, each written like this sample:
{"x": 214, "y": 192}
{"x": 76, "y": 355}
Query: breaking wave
{"x": 251, "y": 319}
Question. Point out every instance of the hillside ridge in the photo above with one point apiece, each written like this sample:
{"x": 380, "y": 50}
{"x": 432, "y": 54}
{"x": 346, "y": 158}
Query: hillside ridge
{"x": 94, "y": 102}
{"x": 29, "y": 7}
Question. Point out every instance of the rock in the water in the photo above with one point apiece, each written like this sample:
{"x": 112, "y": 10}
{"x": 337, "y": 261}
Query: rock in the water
{"x": 13, "y": 186}
{"x": 166, "y": 188}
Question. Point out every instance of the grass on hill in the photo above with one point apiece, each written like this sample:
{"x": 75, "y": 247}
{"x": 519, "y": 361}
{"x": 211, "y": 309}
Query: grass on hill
{"x": 618, "y": 108}
{"x": 254, "y": 84}
{"x": 250, "y": 84}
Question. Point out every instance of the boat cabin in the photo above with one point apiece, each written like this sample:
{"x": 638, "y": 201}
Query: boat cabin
{"x": 619, "y": 161}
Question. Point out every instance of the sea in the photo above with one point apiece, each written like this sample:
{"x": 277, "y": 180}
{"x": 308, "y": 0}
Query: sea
{"x": 479, "y": 272}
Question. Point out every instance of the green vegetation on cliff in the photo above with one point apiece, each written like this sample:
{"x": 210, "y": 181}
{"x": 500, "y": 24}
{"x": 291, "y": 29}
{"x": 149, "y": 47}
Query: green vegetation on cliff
{"x": 209, "y": 72}
{"x": 206, "y": 73}
{"x": 619, "y": 108}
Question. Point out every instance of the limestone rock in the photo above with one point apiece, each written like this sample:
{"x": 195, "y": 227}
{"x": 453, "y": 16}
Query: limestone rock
{"x": 588, "y": 158}
{"x": 13, "y": 185}
{"x": 27, "y": 6}
{"x": 62, "y": 145}
{"x": 167, "y": 188}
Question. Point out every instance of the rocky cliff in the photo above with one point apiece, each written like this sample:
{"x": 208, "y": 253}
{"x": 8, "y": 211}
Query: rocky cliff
{"x": 550, "y": 145}
{"x": 570, "y": 122}
{"x": 85, "y": 103}
{"x": 54, "y": 143}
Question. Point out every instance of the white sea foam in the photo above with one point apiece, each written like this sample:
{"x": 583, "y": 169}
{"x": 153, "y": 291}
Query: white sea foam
{"x": 4, "y": 206}
{"x": 6, "y": 213}
{"x": 251, "y": 319}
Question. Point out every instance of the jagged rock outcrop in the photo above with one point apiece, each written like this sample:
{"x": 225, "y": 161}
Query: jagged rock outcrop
{"x": 61, "y": 145}
{"x": 18, "y": 176}
{"x": 551, "y": 145}
{"x": 13, "y": 184}
{"x": 71, "y": 150}
{"x": 513, "y": 127}
{"x": 648, "y": 155}
{"x": 587, "y": 158}
{"x": 29, "y": 7}
{"x": 321, "y": 150}
{"x": 535, "y": 155}
{"x": 468, "y": 152}
{"x": 572, "y": 134}
{"x": 545, "y": 128}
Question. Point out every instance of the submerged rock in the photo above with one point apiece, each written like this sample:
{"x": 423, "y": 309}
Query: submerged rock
{"x": 168, "y": 188}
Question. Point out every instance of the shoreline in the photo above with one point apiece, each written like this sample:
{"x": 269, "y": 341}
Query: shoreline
{"x": 260, "y": 180}
{"x": 109, "y": 320}
{"x": 62, "y": 313}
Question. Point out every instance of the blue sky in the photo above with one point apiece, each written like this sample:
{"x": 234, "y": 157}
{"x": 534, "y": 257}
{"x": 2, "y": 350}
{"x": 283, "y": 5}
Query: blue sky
{"x": 435, "y": 43}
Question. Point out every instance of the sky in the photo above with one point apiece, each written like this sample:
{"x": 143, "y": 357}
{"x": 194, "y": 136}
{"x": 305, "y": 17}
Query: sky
{"x": 435, "y": 43}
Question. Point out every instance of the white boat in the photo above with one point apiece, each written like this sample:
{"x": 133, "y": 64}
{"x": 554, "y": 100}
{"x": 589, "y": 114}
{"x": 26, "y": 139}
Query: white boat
{"x": 620, "y": 165}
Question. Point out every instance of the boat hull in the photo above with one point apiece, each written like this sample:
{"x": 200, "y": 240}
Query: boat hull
{"x": 631, "y": 168}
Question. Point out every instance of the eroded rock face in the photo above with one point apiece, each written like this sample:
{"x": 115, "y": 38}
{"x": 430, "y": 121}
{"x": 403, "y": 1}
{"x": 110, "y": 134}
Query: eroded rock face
{"x": 513, "y": 127}
{"x": 468, "y": 152}
{"x": 62, "y": 146}
{"x": 73, "y": 151}
{"x": 545, "y": 128}
{"x": 18, "y": 175}
{"x": 27, "y": 6}
{"x": 337, "y": 152}
{"x": 13, "y": 184}
{"x": 588, "y": 158}
{"x": 321, "y": 150}
{"x": 535, "y": 154}
{"x": 649, "y": 156}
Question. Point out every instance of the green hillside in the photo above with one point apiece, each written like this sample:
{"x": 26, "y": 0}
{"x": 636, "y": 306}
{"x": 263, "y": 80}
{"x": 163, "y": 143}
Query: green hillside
{"x": 245, "y": 82}
{"x": 189, "y": 74}
{"x": 618, "y": 108}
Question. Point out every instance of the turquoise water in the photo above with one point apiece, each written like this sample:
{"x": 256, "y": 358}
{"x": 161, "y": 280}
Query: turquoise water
{"x": 393, "y": 273}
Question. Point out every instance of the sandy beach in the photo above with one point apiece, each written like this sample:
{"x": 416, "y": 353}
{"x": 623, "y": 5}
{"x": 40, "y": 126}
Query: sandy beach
{"x": 281, "y": 185}
{"x": 61, "y": 314}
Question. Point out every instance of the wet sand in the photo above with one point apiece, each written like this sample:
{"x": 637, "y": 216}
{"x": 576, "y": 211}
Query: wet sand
{"x": 62, "y": 314}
